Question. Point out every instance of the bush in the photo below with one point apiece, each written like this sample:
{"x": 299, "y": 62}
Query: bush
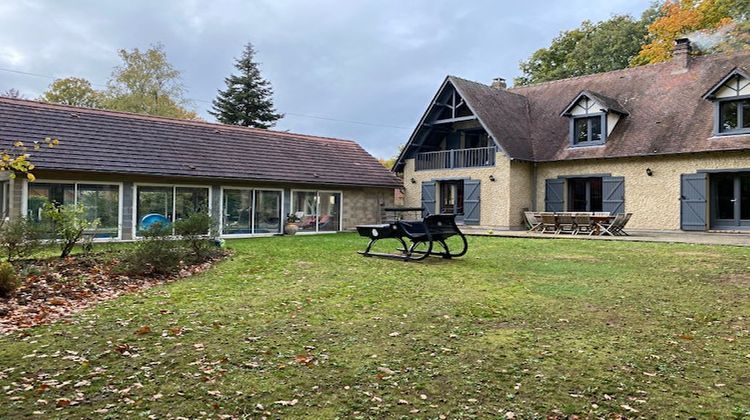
{"x": 197, "y": 233}
{"x": 8, "y": 279}
{"x": 156, "y": 253}
{"x": 19, "y": 238}
{"x": 68, "y": 225}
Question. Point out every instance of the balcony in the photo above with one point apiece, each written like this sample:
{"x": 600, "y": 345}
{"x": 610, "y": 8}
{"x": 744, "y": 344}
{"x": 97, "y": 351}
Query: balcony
{"x": 453, "y": 159}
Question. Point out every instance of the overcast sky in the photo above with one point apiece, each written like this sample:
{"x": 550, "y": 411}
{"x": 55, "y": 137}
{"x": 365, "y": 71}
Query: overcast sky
{"x": 373, "y": 62}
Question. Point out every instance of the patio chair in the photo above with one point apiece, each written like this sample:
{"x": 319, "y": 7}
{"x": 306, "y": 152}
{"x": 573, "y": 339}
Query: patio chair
{"x": 566, "y": 223}
{"x": 583, "y": 223}
{"x": 532, "y": 221}
{"x": 549, "y": 223}
{"x": 613, "y": 227}
{"x": 625, "y": 220}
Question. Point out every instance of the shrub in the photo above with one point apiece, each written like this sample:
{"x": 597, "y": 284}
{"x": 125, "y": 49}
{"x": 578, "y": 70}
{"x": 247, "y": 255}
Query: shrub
{"x": 8, "y": 279}
{"x": 156, "y": 253}
{"x": 197, "y": 232}
{"x": 68, "y": 225}
{"x": 19, "y": 238}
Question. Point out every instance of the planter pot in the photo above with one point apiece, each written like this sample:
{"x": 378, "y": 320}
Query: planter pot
{"x": 290, "y": 229}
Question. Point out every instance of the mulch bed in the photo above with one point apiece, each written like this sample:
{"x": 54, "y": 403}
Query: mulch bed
{"x": 56, "y": 288}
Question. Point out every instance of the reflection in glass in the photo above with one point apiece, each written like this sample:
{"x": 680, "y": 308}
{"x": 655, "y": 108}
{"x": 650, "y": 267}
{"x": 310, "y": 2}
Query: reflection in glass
{"x": 101, "y": 202}
{"x": 305, "y": 209}
{"x": 237, "y": 207}
{"x": 267, "y": 212}
{"x": 330, "y": 210}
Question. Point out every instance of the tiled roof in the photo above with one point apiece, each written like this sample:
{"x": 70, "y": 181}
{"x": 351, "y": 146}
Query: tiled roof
{"x": 661, "y": 105}
{"x": 115, "y": 142}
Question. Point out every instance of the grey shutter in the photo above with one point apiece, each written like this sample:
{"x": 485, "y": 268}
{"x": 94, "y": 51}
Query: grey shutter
{"x": 613, "y": 194}
{"x": 428, "y": 198}
{"x": 471, "y": 201}
{"x": 554, "y": 195}
{"x": 693, "y": 208}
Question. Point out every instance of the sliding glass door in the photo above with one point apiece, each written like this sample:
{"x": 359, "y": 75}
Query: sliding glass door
{"x": 317, "y": 211}
{"x": 730, "y": 201}
{"x": 247, "y": 211}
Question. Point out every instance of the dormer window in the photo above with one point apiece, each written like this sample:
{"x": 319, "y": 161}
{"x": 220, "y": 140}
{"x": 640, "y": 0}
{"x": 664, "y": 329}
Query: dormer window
{"x": 731, "y": 97}
{"x": 588, "y": 130}
{"x": 592, "y": 118}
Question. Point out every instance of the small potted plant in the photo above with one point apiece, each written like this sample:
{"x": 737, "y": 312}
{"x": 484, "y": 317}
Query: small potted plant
{"x": 291, "y": 227}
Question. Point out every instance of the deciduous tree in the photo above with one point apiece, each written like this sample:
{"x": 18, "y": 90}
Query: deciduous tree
{"x": 147, "y": 83}
{"x": 73, "y": 91}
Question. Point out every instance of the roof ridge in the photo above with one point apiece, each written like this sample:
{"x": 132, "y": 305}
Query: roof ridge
{"x": 147, "y": 117}
{"x": 485, "y": 85}
{"x": 627, "y": 69}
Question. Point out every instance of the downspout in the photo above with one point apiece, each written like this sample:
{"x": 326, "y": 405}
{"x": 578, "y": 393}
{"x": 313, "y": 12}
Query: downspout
{"x": 533, "y": 187}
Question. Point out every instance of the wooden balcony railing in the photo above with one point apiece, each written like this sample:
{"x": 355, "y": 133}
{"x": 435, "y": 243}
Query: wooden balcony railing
{"x": 459, "y": 158}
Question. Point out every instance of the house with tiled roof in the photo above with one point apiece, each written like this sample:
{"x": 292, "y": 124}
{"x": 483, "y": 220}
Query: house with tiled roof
{"x": 129, "y": 170}
{"x": 668, "y": 142}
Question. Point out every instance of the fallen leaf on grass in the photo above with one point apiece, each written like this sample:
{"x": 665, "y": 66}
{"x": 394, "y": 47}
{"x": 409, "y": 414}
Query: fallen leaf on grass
{"x": 143, "y": 330}
{"x": 63, "y": 402}
{"x": 287, "y": 403}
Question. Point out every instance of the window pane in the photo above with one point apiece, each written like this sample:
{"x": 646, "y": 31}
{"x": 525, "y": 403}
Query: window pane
{"x": 40, "y": 194}
{"x": 595, "y": 190}
{"x": 154, "y": 205}
{"x": 725, "y": 196}
{"x": 267, "y": 211}
{"x": 305, "y": 208}
{"x": 581, "y": 130}
{"x": 190, "y": 200}
{"x": 745, "y": 197}
{"x": 577, "y": 195}
{"x": 729, "y": 114}
{"x": 746, "y": 113}
{"x": 101, "y": 202}
{"x": 237, "y": 207}
{"x": 330, "y": 206}
{"x": 596, "y": 128}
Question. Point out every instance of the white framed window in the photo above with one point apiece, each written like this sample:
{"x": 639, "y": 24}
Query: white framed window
{"x": 100, "y": 200}
{"x": 248, "y": 211}
{"x": 165, "y": 204}
{"x": 317, "y": 210}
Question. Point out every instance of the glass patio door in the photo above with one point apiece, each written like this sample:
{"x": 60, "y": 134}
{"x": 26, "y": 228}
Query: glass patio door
{"x": 317, "y": 211}
{"x": 730, "y": 201}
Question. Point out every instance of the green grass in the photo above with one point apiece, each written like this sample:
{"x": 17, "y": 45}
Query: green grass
{"x": 537, "y": 327}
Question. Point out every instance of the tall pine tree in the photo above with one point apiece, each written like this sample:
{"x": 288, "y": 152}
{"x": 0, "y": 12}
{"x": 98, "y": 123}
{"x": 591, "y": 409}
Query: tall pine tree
{"x": 247, "y": 100}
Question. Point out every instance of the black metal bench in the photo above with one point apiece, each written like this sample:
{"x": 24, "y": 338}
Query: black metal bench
{"x": 433, "y": 229}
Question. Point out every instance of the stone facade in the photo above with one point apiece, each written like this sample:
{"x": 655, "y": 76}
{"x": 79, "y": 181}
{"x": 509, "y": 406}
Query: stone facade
{"x": 654, "y": 200}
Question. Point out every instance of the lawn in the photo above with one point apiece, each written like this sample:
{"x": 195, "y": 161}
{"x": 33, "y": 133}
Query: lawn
{"x": 303, "y": 326}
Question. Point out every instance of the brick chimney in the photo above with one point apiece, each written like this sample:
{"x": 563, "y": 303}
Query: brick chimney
{"x": 499, "y": 83}
{"x": 681, "y": 55}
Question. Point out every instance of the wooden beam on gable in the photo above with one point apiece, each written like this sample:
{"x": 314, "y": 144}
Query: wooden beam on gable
{"x": 453, "y": 120}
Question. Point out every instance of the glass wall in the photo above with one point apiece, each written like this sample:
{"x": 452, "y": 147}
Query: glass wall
{"x": 237, "y": 206}
{"x": 166, "y": 204}
{"x": 247, "y": 211}
{"x": 99, "y": 201}
{"x": 305, "y": 209}
{"x": 317, "y": 211}
{"x": 267, "y": 212}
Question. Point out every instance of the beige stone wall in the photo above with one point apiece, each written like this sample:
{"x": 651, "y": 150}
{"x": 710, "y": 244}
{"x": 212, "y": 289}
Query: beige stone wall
{"x": 521, "y": 185}
{"x": 364, "y": 205}
{"x": 653, "y": 200}
{"x": 494, "y": 196}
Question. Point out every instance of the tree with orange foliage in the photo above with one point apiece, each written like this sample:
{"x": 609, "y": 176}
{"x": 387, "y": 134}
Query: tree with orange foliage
{"x": 683, "y": 17}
